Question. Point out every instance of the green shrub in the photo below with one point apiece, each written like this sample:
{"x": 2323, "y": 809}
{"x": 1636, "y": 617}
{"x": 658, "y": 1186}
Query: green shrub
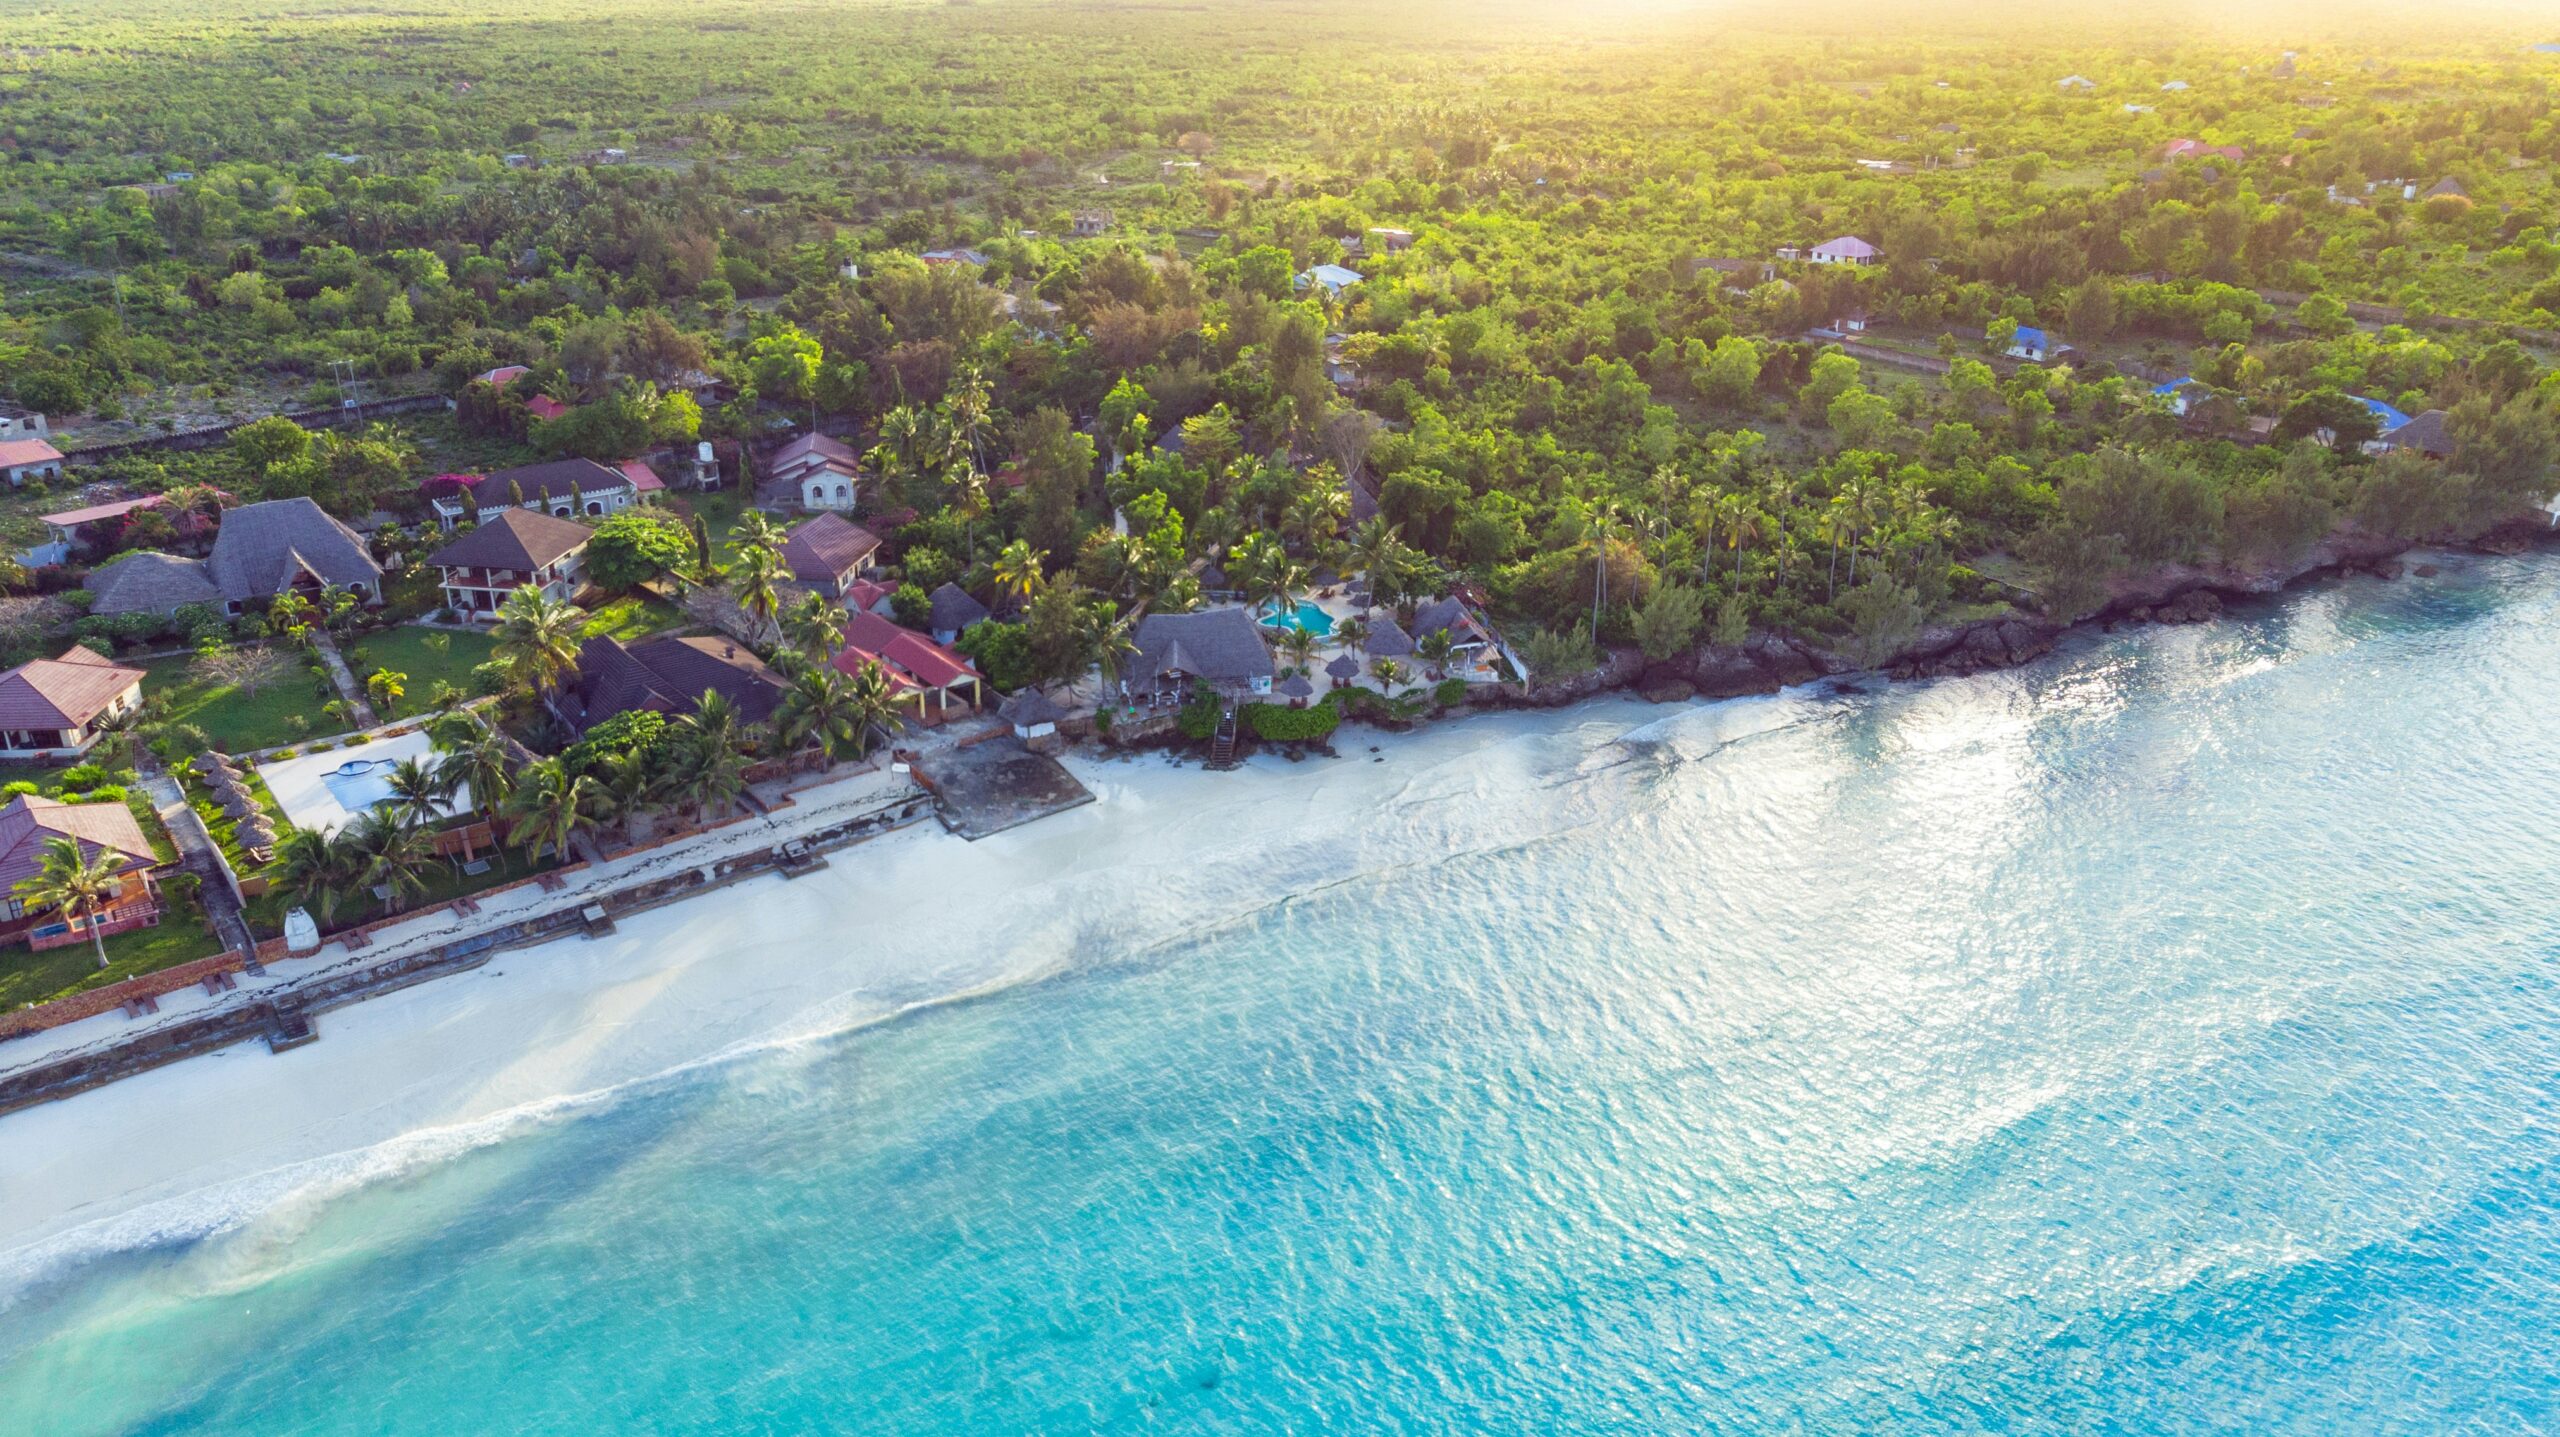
{"x": 103, "y": 793}
{"x": 1198, "y": 720}
{"x": 20, "y": 789}
{"x": 84, "y": 775}
{"x": 1448, "y": 693}
{"x": 1277, "y": 723}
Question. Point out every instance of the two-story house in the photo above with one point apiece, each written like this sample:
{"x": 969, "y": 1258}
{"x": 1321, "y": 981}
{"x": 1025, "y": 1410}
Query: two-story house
{"x": 511, "y": 550}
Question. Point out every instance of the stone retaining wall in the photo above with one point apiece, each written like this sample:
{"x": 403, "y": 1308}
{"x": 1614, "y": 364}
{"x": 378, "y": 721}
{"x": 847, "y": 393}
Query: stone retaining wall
{"x": 89, "y": 1004}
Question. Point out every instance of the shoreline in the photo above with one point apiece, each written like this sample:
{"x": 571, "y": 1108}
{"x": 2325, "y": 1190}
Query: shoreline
{"x": 191, "y": 1149}
{"x": 188, "y": 1150}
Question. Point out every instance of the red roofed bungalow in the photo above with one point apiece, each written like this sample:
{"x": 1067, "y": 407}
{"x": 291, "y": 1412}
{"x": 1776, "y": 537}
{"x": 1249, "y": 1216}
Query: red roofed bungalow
{"x": 504, "y": 375}
{"x": 543, "y": 406}
{"x": 28, "y": 824}
{"x": 914, "y": 664}
{"x": 644, "y": 480}
{"x": 2199, "y": 150}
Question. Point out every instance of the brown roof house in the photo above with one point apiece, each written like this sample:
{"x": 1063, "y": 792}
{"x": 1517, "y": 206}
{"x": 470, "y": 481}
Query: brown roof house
{"x": 55, "y": 708}
{"x": 28, "y": 823}
{"x": 667, "y": 676}
{"x": 828, "y": 553}
{"x": 515, "y": 549}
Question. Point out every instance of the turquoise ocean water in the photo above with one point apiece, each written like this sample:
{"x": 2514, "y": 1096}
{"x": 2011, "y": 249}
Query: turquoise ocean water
{"x": 2162, "y": 1038}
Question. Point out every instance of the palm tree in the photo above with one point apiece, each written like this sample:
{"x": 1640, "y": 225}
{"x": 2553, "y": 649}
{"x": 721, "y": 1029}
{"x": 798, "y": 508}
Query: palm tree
{"x": 754, "y": 580}
{"x": 537, "y": 639}
{"x": 1300, "y": 647}
{"x": 756, "y": 530}
{"x": 76, "y": 885}
{"x": 418, "y": 787}
{"x": 1743, "y": 524}
{"x": 548, "y": 806}
{"x": 1434, "y": 649}
{"x": 1017, "y": 570}
{"x": 1352, "y": 632}
{"x": 394, "y": 851}
{"x": 316, "y": 866}
{"x": 629, "y": 789}
{"x": 1389, "y": 672}
{"x": 817, "y": 712}
{"x": 1112, "y": 640}
{"x": 1604, "y": 527}
{"x": 1383, "y": 557}
{"x": 818, "y": 627}
{"x": 485, "y": 766}
{"x": 712, "y": 768}
{"x": 874, "y": 703}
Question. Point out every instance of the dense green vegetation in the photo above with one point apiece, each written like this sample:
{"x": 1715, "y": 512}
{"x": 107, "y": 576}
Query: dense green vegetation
{"x": 1550, "y": 398}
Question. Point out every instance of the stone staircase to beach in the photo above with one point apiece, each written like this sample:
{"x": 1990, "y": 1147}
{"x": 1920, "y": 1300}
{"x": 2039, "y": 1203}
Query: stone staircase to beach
{"x": 1222, "y": 749}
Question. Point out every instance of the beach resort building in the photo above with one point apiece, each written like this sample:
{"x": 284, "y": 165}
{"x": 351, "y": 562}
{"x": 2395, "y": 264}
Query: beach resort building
{"x": 829, "y": 553}
{"x": 1222, "y": 648}
{"x": 665, "y": 675}
{"x": 55, "y": 708}
{"x": 562, "y": 488}
{"x": 944, "y": 683}
{"x": 263, "y": 550}
{"x": 28, "y": 823}
{"x": 515, "y": 549}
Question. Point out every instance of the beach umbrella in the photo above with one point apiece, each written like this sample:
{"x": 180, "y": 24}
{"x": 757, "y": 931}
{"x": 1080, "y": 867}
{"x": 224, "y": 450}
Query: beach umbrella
{"x": 1344, "y": 667}
{"x": 1295, "y": 686}
{"x": 239, "y": 805}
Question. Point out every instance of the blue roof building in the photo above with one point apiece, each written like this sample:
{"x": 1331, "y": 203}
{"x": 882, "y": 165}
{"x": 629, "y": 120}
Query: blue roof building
{"x": 1333, "y": 277}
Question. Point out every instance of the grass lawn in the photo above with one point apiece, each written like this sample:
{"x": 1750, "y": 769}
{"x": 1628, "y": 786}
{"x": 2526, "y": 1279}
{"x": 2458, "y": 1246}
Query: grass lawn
{"x": 28, "y": 977}
{"x": 284, "y": 709}
{"x": 445, "y": 880}
{"x": 427, "y": 656}
{"x": 632, "y": 616}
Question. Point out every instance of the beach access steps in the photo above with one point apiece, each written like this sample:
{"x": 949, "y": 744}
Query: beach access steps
{"x": 289, "y": 1028}
{"x": 1222, "y": 749}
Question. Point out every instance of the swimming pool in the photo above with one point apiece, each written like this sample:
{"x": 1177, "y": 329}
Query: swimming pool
{"x": 359, "y": 784}
{"x": 1308, "y": 617}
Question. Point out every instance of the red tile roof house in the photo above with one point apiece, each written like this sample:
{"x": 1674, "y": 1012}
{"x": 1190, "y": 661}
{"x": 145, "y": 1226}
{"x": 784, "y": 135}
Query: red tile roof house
{"x": 62, "y": 531}
{"x": 562, "y": 488}
{"x": 28, "y": 823}
{"x": 543, "y": 406}
{"x": 829, "y": 553}
{"x": 914, "y": 664}
{"x": 25, "y": 459}
{"x": 514, "y": 549}
{"x": 2199, "y": 150}
{"x": 822, "y": 473}
{"x": 645, "y": 483}
{"x": 52, "y": 708}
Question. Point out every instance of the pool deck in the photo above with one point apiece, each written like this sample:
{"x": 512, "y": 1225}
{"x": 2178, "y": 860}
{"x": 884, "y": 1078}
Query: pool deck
{"x": 301, "y": 785}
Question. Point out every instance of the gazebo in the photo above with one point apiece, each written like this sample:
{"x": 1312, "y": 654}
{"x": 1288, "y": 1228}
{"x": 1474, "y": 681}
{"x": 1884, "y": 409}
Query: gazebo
{"x": 1296, "y": 690}
{"x": 1343, "y": 670}
{"x": 1032, "y": 714}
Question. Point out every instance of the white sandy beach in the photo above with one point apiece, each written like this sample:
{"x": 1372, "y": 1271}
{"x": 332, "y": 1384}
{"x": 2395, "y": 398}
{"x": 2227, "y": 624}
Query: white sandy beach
{"x": 913, "y": 918}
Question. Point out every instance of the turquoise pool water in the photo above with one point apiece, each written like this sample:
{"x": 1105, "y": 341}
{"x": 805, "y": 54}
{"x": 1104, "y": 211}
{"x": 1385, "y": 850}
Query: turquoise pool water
{"x": 2163, "y": 1038}
{"x": 1309, "y": 617}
